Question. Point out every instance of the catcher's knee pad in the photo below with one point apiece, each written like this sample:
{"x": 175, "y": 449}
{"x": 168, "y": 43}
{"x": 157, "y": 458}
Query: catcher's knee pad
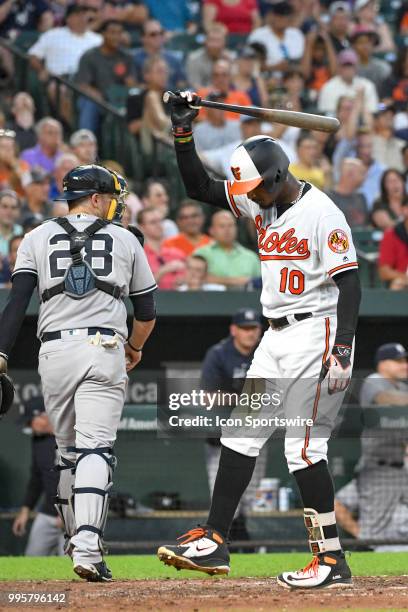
{"x": 64, "y": 498}
{"x": 322, "y": 530}
{"x": 87, "y": 499}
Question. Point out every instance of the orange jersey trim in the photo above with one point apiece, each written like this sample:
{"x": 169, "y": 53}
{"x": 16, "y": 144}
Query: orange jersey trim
{"x": 353, "y": 264}
{"x": 232, "y": 204}
{"x": 317, "y": 396}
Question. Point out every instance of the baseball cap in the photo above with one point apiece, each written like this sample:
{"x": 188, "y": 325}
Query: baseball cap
{"x": 339, "y": 6}
{"x": 347, "y": 57}
{"x": 361, "y": 4}
{"x": 280, "y": 7}
{"x": 362, "y": 29}
{"x": 32, "y": 221}
{"x": 39, "y": 175}
{"x": 392, "y": 350}
{"x": 81, "y": 136}
{"x": 384, "y": 108}
{"x": 246, "y": 317}
{"x": 74, "y": 8}
{"x": 247, "y": 119}
{"x": 248, "y": 52}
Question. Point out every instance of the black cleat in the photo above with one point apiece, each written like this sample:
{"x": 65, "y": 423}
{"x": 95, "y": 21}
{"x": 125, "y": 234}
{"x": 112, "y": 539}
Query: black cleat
{"x": 201, "y": 549}
{"x": 94, "y": 572}
{"x": 326, "y": 570}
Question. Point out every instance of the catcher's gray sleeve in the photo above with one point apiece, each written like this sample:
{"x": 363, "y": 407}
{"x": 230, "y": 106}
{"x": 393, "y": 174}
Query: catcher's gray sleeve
{"x": 142, "y": 277}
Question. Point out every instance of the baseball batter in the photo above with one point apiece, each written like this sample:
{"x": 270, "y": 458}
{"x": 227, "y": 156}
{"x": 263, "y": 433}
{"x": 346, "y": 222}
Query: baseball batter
{"x": 84, "y": 265}
{"x": 310, "y": 296}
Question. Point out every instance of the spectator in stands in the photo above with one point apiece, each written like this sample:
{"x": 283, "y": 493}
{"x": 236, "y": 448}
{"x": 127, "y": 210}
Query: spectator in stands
{"x": 364, "y": 39}
{"x": 23, "y": 110}
{"x": 307, "y": 167}
{"x": 190, "y": 222}
{"x": 49, "y": 146}
{"x": 284, "y": 43}
{"x": 9, "y": 216}
{"x": 396, "y": 85}
{"x": 155, "y": 195}
{"x": 101, "y": 70}
{"x": 147, "y": 115}
{"x": 13, "y": 170}
{"x": 247, "y": 77}
{"x": 174, "y": 15}
{"x": 345, "y": 193}
{"x": 393, "y": 259}
{"x": 36, "y": 195}
{"x": 387, "y": 149}
{"x": 17, "y": 16}
{"x": 153, "y": 40}
{"x": 7, "y": 263}
{"x": 59, "y": 50}
{"x": 131, "y": 13}
{"x": 215, "y": 131}
{"x": 387, "y": 209}
{"x": 319, "y": 63}
{"x": 221, "y": 83}
{"x": 339, "y": 25}
{"x": 196, "y": 275}
{"x": 65, "y": 163}
{"x": 346, "y": 83}
{"x": 85, "y": 146}
{"x": 167, "y": 263}
{"x": 33, "y": 221}
{"x": 238, "y": 16}
{"x": 200, "y": 62}
{"x": 366, "y": 13}
{"x": 229, "y": 263}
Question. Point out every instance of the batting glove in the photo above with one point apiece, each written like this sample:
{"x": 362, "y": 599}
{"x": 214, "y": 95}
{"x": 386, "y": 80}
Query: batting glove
{"x": 338, "y": 368}
{"x": 184, "y": 110}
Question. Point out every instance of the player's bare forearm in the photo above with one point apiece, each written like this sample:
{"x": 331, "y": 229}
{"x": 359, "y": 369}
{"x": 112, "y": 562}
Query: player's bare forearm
{"x": 387, "y": 273}
{"x": 140, "y": 332}
{"x": 391, "y": 398}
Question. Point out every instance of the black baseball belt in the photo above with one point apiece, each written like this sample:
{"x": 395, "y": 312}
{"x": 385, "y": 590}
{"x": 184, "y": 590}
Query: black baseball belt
{"x": 57, "y": 335}
{"x": 393, "y": 464}
{"x": 288, "y": 320}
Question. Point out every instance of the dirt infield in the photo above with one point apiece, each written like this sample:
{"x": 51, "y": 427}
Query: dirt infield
{"x": 216, "y": 595}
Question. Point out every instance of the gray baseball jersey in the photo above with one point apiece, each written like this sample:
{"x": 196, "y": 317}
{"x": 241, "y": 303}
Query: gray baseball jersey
{"x": 114, "y": 254}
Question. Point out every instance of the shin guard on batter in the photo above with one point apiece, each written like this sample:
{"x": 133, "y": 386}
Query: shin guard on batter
{"x": 63, "y": 500}
{"x": 93, "y": 480}
{"x": 322, "y": 530}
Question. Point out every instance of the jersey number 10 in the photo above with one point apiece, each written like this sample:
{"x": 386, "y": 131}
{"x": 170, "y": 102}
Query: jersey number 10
{"x": 296, "y": 284}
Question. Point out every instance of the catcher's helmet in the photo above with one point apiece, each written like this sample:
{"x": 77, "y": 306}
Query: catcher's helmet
{"x": 257, "y": 159}
{"x": 86, "y": 180}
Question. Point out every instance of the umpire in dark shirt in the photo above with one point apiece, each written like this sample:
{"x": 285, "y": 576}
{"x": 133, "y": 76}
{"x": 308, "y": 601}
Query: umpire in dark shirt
{"x": 224, "y": 368}
{"x": 46, "y": 536}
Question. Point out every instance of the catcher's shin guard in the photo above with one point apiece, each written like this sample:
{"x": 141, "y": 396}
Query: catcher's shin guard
{"x": 94, "y": 470}
{"x": 63, "y": 500}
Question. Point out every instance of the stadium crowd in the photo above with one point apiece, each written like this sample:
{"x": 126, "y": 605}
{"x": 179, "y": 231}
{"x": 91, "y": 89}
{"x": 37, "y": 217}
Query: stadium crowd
{"x": 343, "y": 58}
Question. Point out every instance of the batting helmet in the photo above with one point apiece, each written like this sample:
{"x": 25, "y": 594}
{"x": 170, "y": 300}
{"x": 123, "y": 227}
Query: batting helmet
{"x": 258, "y": 159}
{"x": 86, "y": 180}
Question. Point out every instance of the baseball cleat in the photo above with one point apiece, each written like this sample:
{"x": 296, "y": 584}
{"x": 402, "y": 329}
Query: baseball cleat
{"x": 201, "y": 549}
{"x": 93, "y": 572}
{"x": 326, "y": 570}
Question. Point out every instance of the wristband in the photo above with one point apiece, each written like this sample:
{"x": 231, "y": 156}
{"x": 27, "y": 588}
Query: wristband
{"x": 138, "y": 350}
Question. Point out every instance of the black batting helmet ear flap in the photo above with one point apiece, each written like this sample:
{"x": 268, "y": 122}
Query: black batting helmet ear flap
{"x": 258, "y": 159}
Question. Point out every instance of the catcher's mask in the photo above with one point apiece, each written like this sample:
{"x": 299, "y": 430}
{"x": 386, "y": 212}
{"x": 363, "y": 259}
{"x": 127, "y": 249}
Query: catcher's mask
{"x": 90, "y": 179}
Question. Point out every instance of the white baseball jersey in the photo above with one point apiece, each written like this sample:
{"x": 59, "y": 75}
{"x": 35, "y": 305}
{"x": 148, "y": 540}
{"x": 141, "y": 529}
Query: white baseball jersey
{"x": 114, "y": 254}
{"x": 300, "y": 251}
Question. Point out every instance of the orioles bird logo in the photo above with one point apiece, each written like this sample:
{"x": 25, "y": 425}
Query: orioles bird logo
{"x": 236, "y": 172}
{"x": 338, "y": 241}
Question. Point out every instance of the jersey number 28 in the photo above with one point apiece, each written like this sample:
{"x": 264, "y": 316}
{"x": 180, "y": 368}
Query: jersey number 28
{"x": 100, "y": 259}
{"x": 293, "y": 280}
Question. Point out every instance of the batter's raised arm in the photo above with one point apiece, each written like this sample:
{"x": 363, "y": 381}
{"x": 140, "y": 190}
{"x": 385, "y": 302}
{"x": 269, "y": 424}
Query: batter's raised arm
{"x": 199, "y": 185}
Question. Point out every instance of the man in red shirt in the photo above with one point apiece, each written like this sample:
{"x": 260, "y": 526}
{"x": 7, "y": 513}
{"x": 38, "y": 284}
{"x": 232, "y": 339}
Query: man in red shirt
{"x": 393, "y": 260}
{"x": 190, "y": 221}
{"x": 167, "y": 263}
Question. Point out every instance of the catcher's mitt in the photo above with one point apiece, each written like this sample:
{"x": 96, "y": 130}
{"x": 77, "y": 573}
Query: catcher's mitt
{"x": 6, "y": 393}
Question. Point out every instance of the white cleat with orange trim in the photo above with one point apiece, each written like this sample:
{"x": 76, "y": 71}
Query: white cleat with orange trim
{"x": 326, "y": 570}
